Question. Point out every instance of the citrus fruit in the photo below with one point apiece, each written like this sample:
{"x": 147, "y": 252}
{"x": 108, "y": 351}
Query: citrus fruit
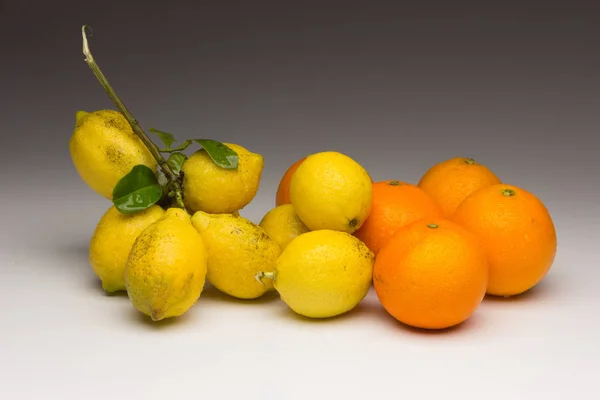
{"x": 450, "y": 181}
{"x": 330, "y": 190}
{"x": 104, "y": 149}
{"x": 282, "y": 195}
{"x": 237, "y": 250}
{"x": 210, "y": 188}
{"x": 517, "y": 232}
{"x": 322, "y": 273}
{"x": 166, "y": 268}
{"x": 395, "y": 204}
{"x": 431, "y": 274}
{"x": 111, "y": 243}
{"x": 283, "y": 224}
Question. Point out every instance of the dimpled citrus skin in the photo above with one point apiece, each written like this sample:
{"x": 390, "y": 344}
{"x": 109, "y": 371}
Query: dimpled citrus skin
{"x": 104, "y": 148}
{"x": 330, "y": 190}
{"x": 283, "y": 224}
{"x": 395, "y": 204}
{"x": 324, "y": 273}
{"x": 111, "y": 243}
{"x": 166, "y": 269}
{"x": 517, "y": 232}
{"x": 282, "y": 196}
{"x": 216, "y": 190}
{"x": 431, "y": 274}
{"x": 451, "y": 181}
{"x": 237, "y": 250}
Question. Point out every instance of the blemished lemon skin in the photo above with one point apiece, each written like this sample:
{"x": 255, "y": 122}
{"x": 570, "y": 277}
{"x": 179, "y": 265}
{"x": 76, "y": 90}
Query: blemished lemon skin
{"x": 104, "y": 149}
{"x": 111, "y": 243}
{"x": 166, "y": 269}
{"x": 237, "y": 250}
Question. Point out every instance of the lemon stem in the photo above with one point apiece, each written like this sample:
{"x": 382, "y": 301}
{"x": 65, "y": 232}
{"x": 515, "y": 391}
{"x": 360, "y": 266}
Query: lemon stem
{"x": 174, "y": 179}
{"x": 261, "y": 275}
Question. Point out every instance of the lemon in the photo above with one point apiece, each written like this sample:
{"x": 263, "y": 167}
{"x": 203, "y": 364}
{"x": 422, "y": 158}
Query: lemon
{"x": 237, "y": 250}
{"x": 283, "y": 224}
{"x": 330, "y": 190}
{"x": 322, "y": 273}
{"x": 111, "y": 243}
{"x": 166, "y": 270}
{"x": 104, "y": 148}
{"x": 216, "y": 190}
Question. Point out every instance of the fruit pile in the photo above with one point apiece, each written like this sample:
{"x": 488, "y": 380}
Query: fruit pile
{"x": 430, "y": 250}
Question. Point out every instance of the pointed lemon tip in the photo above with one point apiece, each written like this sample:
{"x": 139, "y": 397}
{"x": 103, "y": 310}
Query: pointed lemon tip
{"x": 256, "y": 162}
{"x": 176, "y": 212}
{"x": 111, "y": 287}
{"x": 257, "y": 156}
{"x": 157, "y": 315}
{"x": 79, "y": 115}
{"x": 200, "y": 220}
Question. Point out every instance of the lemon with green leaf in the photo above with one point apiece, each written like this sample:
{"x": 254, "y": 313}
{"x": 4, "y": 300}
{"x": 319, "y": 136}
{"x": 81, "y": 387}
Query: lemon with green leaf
{"x": 213, "y": 189}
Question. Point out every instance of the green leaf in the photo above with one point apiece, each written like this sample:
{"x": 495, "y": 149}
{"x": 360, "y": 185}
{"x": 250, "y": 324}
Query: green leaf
{"x": 175, "y": 161}
{"x": 137, "y": 190}
{"x": 221, "y": 154}
{"x": 167, "y": 138}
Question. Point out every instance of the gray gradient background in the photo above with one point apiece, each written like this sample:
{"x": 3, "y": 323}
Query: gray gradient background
{"x": 399, "y": 87}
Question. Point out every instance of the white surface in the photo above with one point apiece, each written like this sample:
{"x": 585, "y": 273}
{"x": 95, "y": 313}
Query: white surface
{"x": 61, "y": 337}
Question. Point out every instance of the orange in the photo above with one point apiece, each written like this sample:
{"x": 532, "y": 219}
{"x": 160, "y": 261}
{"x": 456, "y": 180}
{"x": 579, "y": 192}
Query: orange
{"x": 431, "y": 274}
{"x": 451, "y": 181}
{"x": 395, "y": 204}
{"x": 283, "y": 190}
{"x": 517, "y": 232}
